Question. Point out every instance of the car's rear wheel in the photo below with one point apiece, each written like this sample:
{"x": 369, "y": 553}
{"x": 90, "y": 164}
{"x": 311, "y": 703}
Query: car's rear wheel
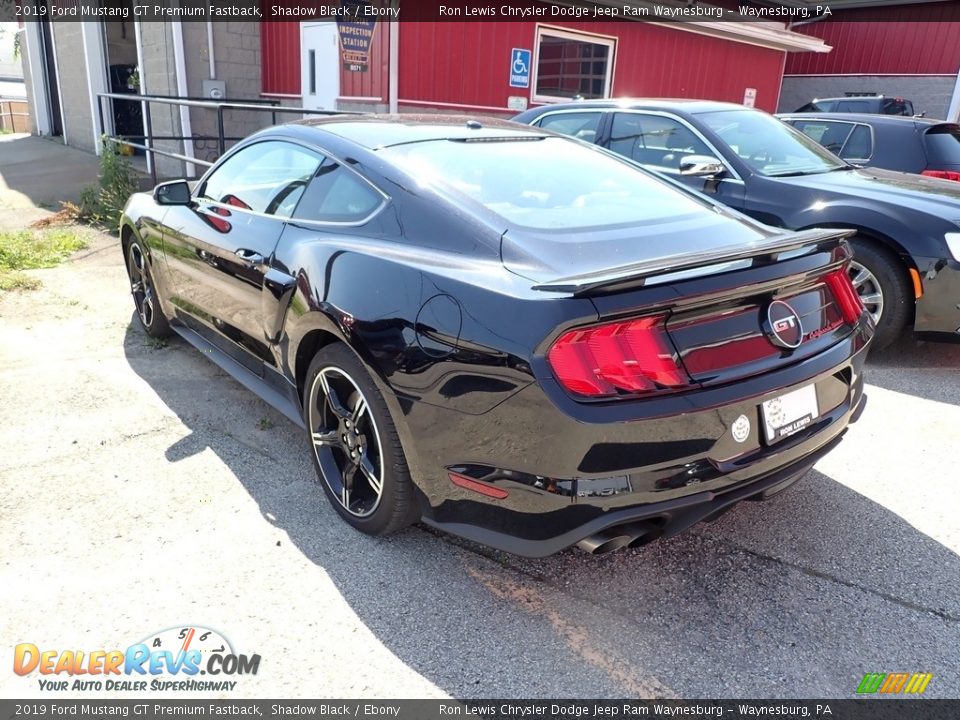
{"x": 883, "y": 286}
{"x": 354, "y": 443}
{"x": 143, "y": 290}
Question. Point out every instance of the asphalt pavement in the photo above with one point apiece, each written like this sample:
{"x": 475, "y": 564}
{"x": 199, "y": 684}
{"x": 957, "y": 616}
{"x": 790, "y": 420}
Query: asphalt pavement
{"x": 143, "y": 489}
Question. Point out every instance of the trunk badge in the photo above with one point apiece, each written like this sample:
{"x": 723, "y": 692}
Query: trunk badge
{"x": 783, "y": 325}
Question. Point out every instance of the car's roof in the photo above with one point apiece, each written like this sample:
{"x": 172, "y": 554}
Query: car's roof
{"x": 688, "y": 105}
{"x": 868, "y": 118}
{"x": 379, "y": 130}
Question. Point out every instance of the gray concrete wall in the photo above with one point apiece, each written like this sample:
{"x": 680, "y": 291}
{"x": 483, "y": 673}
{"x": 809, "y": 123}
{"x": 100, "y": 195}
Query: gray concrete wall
{"x": 236, "y": 50}
{"x": 158, "y": 77}
{"x": 929, "y": 93}
{"x": 74, "y": 90}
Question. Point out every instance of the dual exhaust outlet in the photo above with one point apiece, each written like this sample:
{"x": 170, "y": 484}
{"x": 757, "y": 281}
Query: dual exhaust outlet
{"x": 632, "y": 535}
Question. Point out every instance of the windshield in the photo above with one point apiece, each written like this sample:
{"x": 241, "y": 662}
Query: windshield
{"x": 545, "y": 183}
{"x": 768, "y": 146}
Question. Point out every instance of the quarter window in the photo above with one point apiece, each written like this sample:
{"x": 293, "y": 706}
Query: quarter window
{"x": 268, "y": 177}
{"x": 654, "y": 140}
{"x": 571, "y": 64}
{"x": 859, "y": 145}
{"x": 581, "y": 125}
{"x": 337, "y": 195}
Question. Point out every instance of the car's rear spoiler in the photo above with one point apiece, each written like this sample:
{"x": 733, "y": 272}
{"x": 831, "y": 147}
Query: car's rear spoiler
{"x": 707, "y": 262}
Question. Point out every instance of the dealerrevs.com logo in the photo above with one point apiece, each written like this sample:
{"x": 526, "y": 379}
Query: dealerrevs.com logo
{"x": 176, "y": 659}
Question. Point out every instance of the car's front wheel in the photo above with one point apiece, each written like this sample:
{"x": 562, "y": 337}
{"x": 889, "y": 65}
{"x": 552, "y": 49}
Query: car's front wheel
{"x": 354, "y": 444}
{"x": 883, "y": 286}
{"x": 143, "y": 290}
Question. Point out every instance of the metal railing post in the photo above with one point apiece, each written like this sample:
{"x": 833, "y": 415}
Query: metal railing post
{"x": 221, "y": 141}
{"x": 148, "y": 142}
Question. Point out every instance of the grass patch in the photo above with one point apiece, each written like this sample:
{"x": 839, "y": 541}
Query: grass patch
{"x": 31, "y": 249}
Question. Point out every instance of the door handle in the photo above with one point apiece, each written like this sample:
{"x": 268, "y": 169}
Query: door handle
{"x": 252, "y": 257}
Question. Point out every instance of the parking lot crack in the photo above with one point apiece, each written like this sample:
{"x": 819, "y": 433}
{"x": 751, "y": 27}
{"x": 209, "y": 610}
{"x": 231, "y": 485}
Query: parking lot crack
{"x": 820, "y": 574}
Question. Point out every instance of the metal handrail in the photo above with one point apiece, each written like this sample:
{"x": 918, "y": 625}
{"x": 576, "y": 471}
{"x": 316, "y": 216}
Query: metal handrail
{"x": 218, "y": 105}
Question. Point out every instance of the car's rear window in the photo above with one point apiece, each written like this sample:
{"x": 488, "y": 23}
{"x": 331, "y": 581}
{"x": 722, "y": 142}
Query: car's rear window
{"x": 943, "y": 145}
{"x": 545, "y": 183}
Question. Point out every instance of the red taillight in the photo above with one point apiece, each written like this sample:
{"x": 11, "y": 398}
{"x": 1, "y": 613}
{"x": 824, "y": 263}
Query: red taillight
{"x": 845, "y": 295}
{"x": 942, "y": 174}
{"x": 633, "y": 356}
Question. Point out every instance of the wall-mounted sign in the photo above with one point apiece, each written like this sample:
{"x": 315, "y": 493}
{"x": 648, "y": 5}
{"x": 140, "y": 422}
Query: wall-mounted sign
{"x": 750, "y": 97}
{"x": 356, "y": 36}
{"x": 519, "y": 68}
{"x": 517, "y": 103}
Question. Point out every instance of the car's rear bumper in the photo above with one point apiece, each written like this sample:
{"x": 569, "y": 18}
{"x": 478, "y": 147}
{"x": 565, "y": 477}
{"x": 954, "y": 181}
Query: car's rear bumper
{"x": 938, "y": 309}
{"x": 564, "y": 474}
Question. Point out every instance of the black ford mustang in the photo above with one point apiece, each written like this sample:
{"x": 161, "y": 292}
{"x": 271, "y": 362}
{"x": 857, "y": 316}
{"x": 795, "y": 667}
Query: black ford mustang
{"x": 509, "y": 335}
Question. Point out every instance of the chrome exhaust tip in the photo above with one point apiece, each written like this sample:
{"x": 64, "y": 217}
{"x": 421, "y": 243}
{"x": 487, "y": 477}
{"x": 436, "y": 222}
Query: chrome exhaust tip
{"x": 605, "y": 541}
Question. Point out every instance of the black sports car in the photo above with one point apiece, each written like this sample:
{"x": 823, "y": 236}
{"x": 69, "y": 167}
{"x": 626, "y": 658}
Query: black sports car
{"x": 906, "y": 265}
{"x": 511, "y": 336}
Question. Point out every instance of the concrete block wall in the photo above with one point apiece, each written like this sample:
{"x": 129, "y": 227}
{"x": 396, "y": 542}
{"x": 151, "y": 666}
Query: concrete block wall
{"x": 158, "y": 76}
{"x": 929, "y": 93}
{"x": 236, "y": 49}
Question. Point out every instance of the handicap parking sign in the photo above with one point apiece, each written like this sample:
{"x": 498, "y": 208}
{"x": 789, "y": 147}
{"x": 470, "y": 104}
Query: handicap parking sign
{"x": 519, "y": 68}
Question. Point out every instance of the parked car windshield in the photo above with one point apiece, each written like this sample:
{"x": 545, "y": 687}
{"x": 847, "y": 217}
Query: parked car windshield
{"x": 546, "y": 183}
{"x": 768, "y": 146}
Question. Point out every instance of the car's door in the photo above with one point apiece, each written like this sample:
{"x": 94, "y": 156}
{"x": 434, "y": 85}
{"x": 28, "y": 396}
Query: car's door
{"x": 661, "y": 142}
{"x": 220, "y": 248}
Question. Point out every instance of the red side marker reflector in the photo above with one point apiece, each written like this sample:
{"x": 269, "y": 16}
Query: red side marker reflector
{"x": 477, "y": 486}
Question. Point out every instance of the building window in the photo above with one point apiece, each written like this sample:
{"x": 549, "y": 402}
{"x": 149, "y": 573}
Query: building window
{"x": 571, "y": 64}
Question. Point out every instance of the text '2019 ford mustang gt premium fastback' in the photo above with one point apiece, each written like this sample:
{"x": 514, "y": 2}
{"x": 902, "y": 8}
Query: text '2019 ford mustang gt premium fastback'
{"x": 512, "y": 336}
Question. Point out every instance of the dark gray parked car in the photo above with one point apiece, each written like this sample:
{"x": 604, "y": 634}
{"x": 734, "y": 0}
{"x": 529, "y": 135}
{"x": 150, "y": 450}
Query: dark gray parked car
{"x": 914, "y": 145}
{"x": 907, "y": 262}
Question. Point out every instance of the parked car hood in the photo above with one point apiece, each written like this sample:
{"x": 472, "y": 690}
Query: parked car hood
{"x": 545, "y": 256}
{"x": 887, "y": 186}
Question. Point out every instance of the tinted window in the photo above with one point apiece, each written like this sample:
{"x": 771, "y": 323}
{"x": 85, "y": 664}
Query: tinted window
{"x": 337, "y": 194}
{"x": 582, "y": 125}
{"x": 859, "y": 144}
{"x": 943, "y": 145}
{"x": 832, "y": 135}
{"x": 857, "y": 106}
{"x": 268, "y": 177}
{"x": 768, "y": 146}
{"x": 654, "y": 140}
{"x": 544, "y": 183}
{"x": 818, "y": 106}
{"x": 897, "y": 107}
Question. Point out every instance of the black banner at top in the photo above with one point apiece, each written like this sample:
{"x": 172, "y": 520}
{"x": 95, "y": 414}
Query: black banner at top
{"x": 353, "y": 11}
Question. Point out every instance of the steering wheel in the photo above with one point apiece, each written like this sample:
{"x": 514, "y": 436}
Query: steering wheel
{"x": 763, "y": 156}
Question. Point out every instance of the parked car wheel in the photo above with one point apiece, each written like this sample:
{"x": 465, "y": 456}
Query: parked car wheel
{"x": 882, "y": 284}
{"x": 145, "y": 301}
{"x": 354, "y": 444}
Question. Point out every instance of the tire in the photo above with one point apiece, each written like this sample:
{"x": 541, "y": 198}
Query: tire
{"x": 145, "y": 300}
{"x": 346, "y": 413}
{"x": 881, "y": 281}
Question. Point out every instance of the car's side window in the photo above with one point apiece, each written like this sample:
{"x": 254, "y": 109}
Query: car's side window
{"x": 654, "y": 140}
{"x": 859, "y": 144}
{"x": 267, "y": 177}
{"x": 832, "y": 135}
{"x": 581, "y": 125}
{"x": 336, "y": 194}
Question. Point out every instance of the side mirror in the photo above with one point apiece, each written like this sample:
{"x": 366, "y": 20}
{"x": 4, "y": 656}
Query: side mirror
{"x": 700, "y": 166}
{"x": 175, "y": 192}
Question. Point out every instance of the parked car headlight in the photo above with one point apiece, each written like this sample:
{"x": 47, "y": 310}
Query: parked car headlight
{"x": 953, "y": 244}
